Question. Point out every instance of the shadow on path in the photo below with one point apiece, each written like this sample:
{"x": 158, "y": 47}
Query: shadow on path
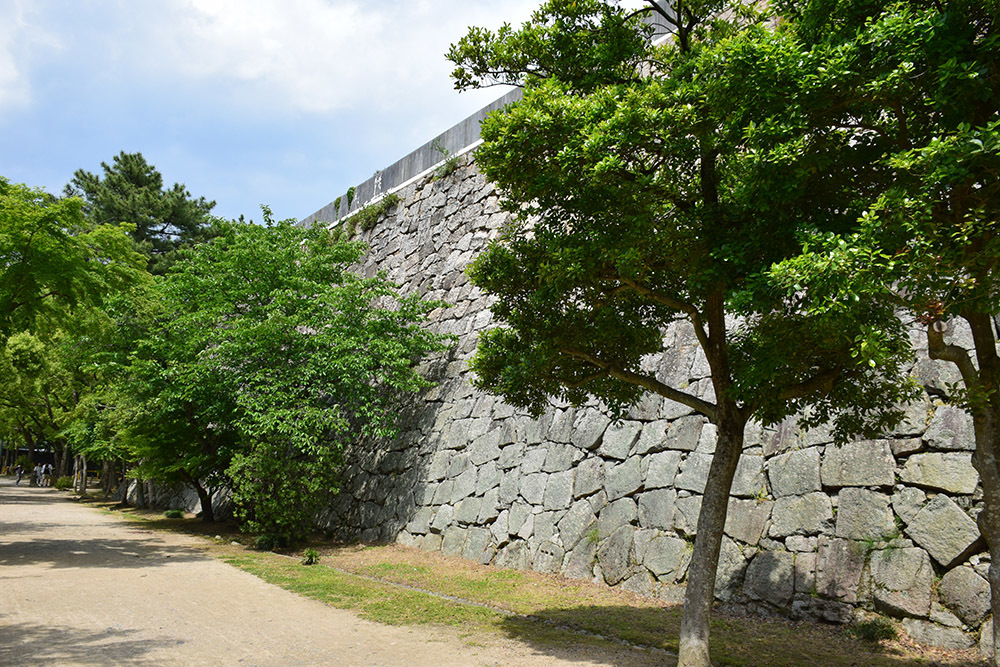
{"x": 24, "y": 542}
{"x": 26, "y": 644}
{"x": 92, "y": 552}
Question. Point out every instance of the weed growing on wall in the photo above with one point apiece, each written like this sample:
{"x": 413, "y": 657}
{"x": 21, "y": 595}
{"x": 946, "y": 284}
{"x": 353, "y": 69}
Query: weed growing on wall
{"x": 367, "y": 217}
{"x": 450, "y": 163}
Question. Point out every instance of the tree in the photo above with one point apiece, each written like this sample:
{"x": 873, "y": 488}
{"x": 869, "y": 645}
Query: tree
{"x": 268, "y": 356}
{"x": 57, "y": 272}
{"x": 132, "y": 191}
{"x": 52, "y": 261}
{"x": 919, "y": 82}
{"x": 652, "y": 184}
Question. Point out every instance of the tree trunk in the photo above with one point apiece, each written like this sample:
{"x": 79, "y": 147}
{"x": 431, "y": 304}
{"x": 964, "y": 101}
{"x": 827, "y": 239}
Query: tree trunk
{"x": 123, "y": 486}
{"x": 140, "y": 494}
{"x": 107, "y": 477}
{"x": 62, "y": 463}
{"x": 83, "y": 476}
{"x": 982, "y": 384}
{"x": 699, "y": 595}
{"x": 59, "y": 452}
{"x": 204, "y": 496}
{"x": 986, "y": 461}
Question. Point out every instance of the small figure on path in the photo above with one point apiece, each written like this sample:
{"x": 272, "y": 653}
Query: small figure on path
{"x": 36, "y": 475}
{"x": 19, "y": 471}
{"x": 47, "y": 474}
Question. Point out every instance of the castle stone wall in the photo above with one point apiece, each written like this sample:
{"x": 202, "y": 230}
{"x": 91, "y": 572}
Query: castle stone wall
{"x": 815, "y": 530}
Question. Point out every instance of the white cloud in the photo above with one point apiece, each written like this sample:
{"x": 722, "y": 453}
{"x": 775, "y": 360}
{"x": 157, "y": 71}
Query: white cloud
{"x": 19, "y": 38}
{"x": 316, "y": 55}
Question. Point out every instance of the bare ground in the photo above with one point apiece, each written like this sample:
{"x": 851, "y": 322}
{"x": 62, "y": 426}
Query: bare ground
{"x": 80, "y": 587}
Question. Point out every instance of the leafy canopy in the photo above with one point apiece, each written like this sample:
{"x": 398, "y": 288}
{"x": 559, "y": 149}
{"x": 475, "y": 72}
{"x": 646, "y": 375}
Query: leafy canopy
{"x": 656, "y": 183}
{"x": 269, "y": 356}
{"x": 53, "y": 261}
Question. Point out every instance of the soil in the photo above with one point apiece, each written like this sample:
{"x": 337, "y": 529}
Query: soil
{"x": 81, "y": 587}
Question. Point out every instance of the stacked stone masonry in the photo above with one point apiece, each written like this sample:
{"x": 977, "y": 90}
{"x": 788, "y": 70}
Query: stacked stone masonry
{"x": 815, "y": 530}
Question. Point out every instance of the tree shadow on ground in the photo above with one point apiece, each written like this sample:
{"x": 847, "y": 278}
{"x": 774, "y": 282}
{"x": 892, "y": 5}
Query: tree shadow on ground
{"x": 94, "y": 552}
{"x": 743, "y": 641}
{"x": 27, "y": 644}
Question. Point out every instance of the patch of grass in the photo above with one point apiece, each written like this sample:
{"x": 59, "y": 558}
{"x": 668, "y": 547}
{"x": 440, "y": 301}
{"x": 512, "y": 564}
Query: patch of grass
{"x": 375, "y": 601}
{"x": 174, "y": 514}
{"x": 310, "y": 557}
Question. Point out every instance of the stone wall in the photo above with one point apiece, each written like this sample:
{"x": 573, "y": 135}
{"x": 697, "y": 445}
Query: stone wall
{"x": 815, "y": 530}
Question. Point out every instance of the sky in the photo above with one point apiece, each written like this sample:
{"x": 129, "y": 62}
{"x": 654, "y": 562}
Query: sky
{"x": 246, "y": 102}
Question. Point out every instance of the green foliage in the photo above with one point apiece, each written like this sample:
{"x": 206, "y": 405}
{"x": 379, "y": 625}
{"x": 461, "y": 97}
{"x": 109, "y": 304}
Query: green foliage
{"x": 450, "y": 162}
{"x": 652, "y": 189}
{"x": 366, "y": 218}
{"x": 350, "y": 196}
{"x": 174, "y": 514}
{"x": 310, "y": 557}
{"x": 336, "y": 205}
{"x": 25, "y": 462}
{"x": 60, "y": 275}
{"x": 131, "y": 191}
{"x": 64, "y": 483}
{"x": 266, "y": 357}
{"x": 270, "y": 542}
{"x": 52, "y": 261}
{"x": 650, "y": 184}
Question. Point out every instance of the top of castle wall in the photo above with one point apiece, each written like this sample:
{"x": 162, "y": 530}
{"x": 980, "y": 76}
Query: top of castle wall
{"x": 459, "y": 139}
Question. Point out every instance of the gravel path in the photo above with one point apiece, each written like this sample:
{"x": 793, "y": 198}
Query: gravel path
{"x": 80, "y": 587}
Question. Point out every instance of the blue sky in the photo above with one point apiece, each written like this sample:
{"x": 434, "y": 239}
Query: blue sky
{"x": 247, "y": 102}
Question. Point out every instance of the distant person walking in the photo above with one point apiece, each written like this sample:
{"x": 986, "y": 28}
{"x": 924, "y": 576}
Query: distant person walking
{"x": 36, "y": 475}
{"x": 47, "y": 474}
{"x": 19, "y": 471}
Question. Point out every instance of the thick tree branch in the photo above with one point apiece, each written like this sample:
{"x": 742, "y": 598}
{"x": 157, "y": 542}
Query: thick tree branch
{"x": 822, "y": 383}
{"x": 937, "y": 349}
{"x": 576, "y": 384}
{"x": 647, "y": 382}
{"x": 689, "y": 309}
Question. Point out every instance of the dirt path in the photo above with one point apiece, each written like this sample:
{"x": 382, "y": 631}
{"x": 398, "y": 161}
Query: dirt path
{"x": 80, "y": 587}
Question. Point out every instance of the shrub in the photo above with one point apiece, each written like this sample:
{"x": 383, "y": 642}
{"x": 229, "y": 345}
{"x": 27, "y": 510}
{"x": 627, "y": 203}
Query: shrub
{"x": 64, "y": 483}
{"x": 174, "y": 514}
{"x": 310, "y": 557}
{"x": 875, "y": 629}
{"x": 270, "y": 542}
